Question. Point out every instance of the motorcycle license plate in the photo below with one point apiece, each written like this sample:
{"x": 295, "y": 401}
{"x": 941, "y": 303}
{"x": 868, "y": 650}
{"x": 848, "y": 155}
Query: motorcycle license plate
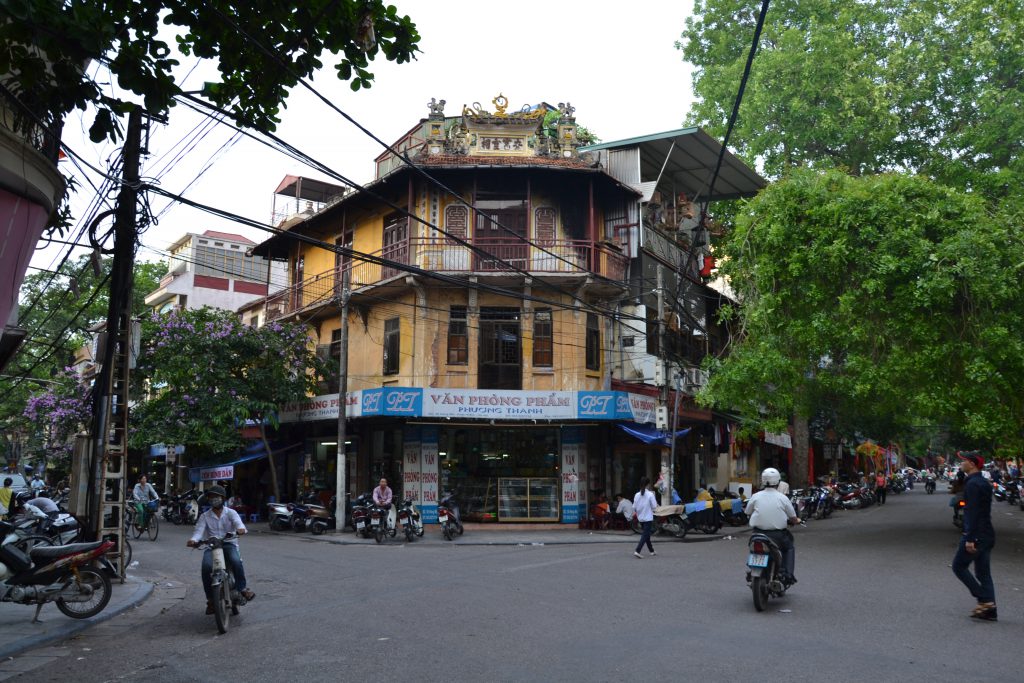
{"x": 375, "y": 522}
{"x": 757, "y": 560}
{"x": 442, "y": 518}
{"x": 360, "y": 524}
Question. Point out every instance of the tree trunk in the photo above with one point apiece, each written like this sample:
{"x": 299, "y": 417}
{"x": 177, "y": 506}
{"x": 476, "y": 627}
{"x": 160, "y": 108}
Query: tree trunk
{"x": 801, "y": 444}
{"x": 270, "y": 463}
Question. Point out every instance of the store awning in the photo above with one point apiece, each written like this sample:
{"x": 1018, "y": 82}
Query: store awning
{"x": 648, "y": 434}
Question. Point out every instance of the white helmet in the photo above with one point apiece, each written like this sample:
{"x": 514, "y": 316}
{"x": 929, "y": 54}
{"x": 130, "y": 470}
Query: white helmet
{"x": 770, "y": 477}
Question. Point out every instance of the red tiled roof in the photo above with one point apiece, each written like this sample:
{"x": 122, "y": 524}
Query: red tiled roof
{"x": 227, "y": 236}
{"x": 483, "y": 160}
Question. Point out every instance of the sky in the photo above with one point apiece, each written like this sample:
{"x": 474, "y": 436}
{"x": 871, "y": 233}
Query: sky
{"x": 618, "y": 68}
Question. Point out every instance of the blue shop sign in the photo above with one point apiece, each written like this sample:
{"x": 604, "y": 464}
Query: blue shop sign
{"x": 393, "y": 401}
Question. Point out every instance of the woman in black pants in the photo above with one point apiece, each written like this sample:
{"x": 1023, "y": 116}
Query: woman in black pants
{"x": 643, "y": 506}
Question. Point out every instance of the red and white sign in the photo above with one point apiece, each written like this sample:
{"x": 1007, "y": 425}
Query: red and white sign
{"x": 217, "y": 473}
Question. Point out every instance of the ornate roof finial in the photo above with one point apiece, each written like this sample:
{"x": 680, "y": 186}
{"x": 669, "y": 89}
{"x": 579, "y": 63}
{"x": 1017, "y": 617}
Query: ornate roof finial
{"x": 436, "y": 108}
{"x": 500, "y": 104}
{"x": 566, "y": 110}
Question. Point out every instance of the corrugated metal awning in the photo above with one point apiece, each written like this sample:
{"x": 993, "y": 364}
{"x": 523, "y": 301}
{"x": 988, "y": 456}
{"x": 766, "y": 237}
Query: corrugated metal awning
{"x": 683, "y": 161}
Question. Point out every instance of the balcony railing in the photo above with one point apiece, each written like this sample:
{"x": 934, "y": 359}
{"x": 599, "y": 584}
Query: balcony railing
{"x": 440, "y": 255}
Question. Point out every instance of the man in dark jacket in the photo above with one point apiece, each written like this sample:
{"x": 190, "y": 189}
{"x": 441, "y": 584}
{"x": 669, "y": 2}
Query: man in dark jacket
{"x": 978, "y": 539}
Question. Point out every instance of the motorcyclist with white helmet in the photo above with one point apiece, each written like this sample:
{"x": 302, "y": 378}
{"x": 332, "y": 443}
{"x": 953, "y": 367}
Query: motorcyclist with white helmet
{"x": 770, "y": 512}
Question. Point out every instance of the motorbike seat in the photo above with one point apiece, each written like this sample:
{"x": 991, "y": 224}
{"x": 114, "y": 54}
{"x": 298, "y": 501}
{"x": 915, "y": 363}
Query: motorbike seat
{"x": 757, "y": 536}
{"x": 40, "y": 552}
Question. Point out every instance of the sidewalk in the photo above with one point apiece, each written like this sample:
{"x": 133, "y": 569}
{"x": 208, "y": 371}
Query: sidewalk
{"x": 18, "y": 633}
{"x": 509, "y": 535}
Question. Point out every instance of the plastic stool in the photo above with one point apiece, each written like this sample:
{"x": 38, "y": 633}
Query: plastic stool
{"x": 254, "y": 517}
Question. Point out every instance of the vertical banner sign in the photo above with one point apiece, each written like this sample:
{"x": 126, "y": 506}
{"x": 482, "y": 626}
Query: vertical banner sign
{"x": 572, "y": 447}
{"x": 583, "y": 480}
{"x": 429, "y": 474}
{"x": 411, "y": 464}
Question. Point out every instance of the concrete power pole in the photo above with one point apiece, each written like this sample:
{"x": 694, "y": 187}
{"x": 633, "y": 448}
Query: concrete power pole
{"x": 108, "y": 458}
{"x": 341, "y": 465}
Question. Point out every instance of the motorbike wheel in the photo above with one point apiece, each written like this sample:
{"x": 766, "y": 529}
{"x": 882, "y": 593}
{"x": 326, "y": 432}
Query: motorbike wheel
{"x": 446, "y": 530}
{"x": 316, "y": 529}
{"x": 379, "y": 534}
{"x": 409, "y": 534}
{"x": 90, "y": 580}
{"x": 461, "y": 530}
{"x": 278, "y": 524}
{"x": 759, "y": 587}
{"x": 176, "y": 519}
{"x": 222, "y": 606}
{"x": 420, "y": 530}
{"x": 153, "y": 529}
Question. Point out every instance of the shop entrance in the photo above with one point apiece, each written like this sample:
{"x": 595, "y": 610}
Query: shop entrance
{"x": 502, "y": 474}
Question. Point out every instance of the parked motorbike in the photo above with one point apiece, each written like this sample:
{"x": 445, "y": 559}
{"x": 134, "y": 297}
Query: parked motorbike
{"x": 670, "y": 519}
{"x": 60, "y": 574}
{"x": 998, "y": 491}
{"x": 409, "y": 519}
{"x": 448, "y": 517}
{"x": 847, "y": 497}
{"x": 382, "y": 521}
{"x": 226, "y": 600}
{"x": 301, "y": 513}
{"x": 183, "y": 508}
{"x": 322, "y": 518}
{"x": 279, "y": 515}
{"x": 361, "y": 515}
{"x": 60, "y": 527}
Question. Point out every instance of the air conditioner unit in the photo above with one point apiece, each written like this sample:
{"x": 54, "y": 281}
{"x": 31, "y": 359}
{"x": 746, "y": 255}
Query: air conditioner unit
{"x": 696, "y": 378}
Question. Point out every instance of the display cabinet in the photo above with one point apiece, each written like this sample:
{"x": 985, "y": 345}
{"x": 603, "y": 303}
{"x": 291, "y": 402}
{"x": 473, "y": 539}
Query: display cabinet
{"x": 523, "y": 499}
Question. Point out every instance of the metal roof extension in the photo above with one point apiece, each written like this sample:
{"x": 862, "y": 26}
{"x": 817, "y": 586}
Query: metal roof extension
{"x": 683, "y": 161}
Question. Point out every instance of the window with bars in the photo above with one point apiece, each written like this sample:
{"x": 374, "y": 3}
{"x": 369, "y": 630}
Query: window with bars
{"x": 392, "y": 345}
{"x": 543, "y": 339}
{"x": 458, "y": 336}
{"x": 593, "y": 342}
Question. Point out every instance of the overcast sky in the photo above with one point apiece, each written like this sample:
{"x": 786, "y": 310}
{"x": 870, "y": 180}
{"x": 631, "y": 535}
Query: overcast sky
{"x": 619, "y": 69}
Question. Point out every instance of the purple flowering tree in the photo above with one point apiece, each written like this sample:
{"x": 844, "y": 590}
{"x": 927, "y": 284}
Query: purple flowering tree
{"x": 53, "y": 416}
{"x": 205, "y": 374}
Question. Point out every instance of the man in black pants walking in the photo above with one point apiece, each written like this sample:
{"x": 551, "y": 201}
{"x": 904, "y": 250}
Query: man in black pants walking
{"x": 978, "y": 540}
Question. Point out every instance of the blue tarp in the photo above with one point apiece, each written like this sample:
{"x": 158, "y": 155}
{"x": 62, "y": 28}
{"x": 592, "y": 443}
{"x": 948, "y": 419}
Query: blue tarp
{"x": 648, "y": 434}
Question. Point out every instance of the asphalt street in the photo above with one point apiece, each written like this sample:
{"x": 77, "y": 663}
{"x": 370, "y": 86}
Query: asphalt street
{"x": 876, "y": 601}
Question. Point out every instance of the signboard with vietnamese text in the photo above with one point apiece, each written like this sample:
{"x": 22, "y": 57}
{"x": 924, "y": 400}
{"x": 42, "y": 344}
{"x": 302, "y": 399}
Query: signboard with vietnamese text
{"x": 320, "y": 408}
{"x": 217, "y": 473}
{"x": 499, "y": 404}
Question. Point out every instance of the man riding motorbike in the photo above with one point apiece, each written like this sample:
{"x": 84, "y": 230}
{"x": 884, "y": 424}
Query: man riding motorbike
{"x": 220, "y": 521}
{"x": 770, "y": 512}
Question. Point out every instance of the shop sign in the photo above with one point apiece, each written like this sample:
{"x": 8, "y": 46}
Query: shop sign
{"x": 782, "y": 439}
{"x": 499, "y": 405}
{"x": 392, "y": 401}
{"x": 319, "y": 408}
{"x": 596, "y": 405}
{"x": 641, "y": 408}
{"x": 217, "y": 473}
{"x": 572, "y": 446}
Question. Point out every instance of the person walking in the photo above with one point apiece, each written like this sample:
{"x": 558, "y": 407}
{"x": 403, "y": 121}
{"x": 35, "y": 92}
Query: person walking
{"x": 643, "y": 506}
{"x": 880, "y": 487}
{"x": 978, "y": 539}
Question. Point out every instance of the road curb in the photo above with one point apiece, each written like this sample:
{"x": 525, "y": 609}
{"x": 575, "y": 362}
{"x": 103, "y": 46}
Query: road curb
{"x": 520, "y": 541}
{"x": 71, "y": 627}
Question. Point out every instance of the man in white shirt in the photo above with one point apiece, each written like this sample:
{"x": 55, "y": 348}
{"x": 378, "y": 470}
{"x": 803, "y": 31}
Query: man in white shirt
{"x": 219, "y": 521}
{"x": 770, "y": 513}
{"x": 624, "y": 509}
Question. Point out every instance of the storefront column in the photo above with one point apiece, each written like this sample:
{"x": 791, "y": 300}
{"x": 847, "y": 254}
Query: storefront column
{"x": 429, "y": 474}
{"x": 572, "y": 448}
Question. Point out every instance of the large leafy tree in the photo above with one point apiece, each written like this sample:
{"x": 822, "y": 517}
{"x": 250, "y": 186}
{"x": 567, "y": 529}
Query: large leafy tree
{"x": 920, "y": 86}
{"x": 890, "y": 293}
{"x": 58, "y": 309}
{"x": 924, "y": 85}
{"x": 262, "y": 49}
{"x": 208, "y": 374}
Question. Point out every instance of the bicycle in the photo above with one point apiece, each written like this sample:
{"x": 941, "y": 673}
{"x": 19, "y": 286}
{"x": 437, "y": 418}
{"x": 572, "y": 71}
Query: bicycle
{"x": 150, "y": 523}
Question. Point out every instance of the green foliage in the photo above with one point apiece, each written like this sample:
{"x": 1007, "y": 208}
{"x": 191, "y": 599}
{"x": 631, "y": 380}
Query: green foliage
{"x": 261, "y": 49}
{"x": 887, "y": 298}
{"x": 928, "y": 85}
{"x": 208, "y": 373}
{"x": 48, "y": 309}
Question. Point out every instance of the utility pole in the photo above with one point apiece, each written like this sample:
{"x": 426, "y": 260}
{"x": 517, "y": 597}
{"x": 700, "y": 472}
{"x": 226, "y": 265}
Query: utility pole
{"x": 665, "y": 423}
{"x": 108, "y": 457}
{"x": 341, "y": 464}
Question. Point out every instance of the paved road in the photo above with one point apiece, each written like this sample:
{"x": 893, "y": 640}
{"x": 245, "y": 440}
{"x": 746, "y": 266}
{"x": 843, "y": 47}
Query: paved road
{"x": 876, "y": 601}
